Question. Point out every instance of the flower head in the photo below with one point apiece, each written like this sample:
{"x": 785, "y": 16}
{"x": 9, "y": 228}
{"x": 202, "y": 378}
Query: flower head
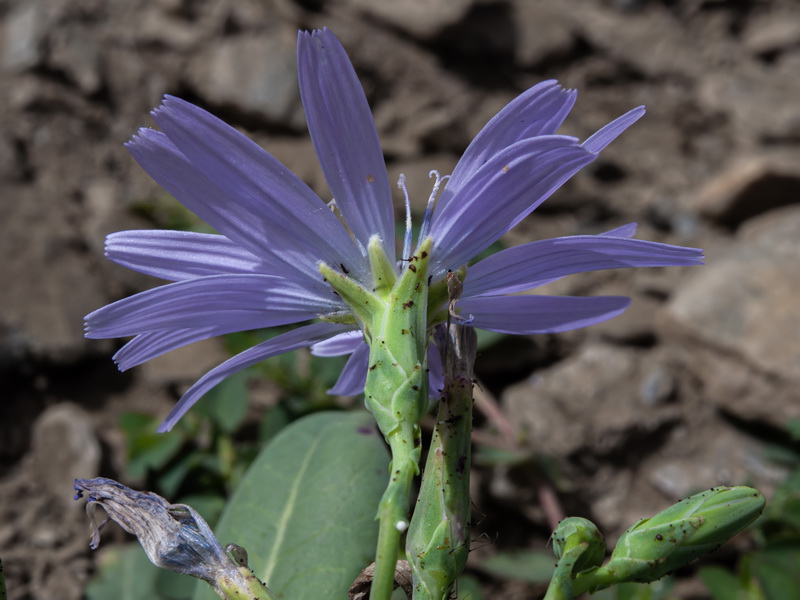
{"x": 263, "y": 268}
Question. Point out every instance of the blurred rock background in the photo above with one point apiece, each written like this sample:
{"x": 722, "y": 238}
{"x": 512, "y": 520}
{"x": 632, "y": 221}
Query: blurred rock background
{"x": 678, "y": 394}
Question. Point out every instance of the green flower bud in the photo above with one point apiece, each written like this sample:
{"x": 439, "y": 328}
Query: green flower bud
{"x": 673, "y": 538}
{"x": 437, "y": 544}
{"x": 572, "y": 532}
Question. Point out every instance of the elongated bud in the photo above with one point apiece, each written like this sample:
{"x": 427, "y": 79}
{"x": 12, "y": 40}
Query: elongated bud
{"x": 572, "y": 532}
{"x": 678, "y": 535}
{"x": 437, "y": 545}
{"x": 174, "y": 537}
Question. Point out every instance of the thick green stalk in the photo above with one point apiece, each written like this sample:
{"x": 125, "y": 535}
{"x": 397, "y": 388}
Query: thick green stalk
{"x": 393, "y": 316}
{"x": 396, "y": 392}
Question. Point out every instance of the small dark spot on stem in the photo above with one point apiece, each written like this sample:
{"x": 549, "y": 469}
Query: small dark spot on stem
{"x": 408, "y": 304}
{"x": 413, "y": 268}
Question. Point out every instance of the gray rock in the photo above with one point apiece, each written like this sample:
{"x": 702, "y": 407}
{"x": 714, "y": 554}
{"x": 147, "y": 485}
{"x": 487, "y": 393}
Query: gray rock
{"x": 755, "y": 100}
{"x": 745, "y": 302}
{"x": 748, "y": 187}
{"x": 74, "y": 52}
{"x": 589, "y": 403}
{"x": 64, "y": 447}
{"x": 24, "y": 34}
{"x": 423, "y": 19}
{"x": 773, "y": 32}
{"x": 253, "y": 74}
{"x": 544, "y": 31}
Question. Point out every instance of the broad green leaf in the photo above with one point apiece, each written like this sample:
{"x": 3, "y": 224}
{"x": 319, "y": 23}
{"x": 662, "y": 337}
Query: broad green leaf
{"x": 125, "y": 573}
{"x": 305, "y": 510}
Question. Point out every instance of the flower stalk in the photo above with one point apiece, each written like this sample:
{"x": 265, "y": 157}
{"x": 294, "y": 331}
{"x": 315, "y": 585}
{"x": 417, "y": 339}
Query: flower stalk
{"x": 394, "y": 321}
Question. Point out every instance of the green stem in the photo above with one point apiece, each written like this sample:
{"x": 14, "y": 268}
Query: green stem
{"x": 561, "y": 585}
{"x": 244, "y": 585}
{"x": 392, "y": 512}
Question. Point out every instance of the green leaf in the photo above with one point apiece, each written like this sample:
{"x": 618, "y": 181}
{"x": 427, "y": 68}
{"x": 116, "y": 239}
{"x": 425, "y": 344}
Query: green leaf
{"x": 305, "y": 509}
{"x": 776, "y": 570}
{"x": 468, "y": 588}
{"x": 147, "y": 450}
{"x": 527, "y": 565}
{"x": 226, "y": 404}
{"x": 657, "y": 590}
{"x": 721, "y": 583}
{"x": 125, "y": 573}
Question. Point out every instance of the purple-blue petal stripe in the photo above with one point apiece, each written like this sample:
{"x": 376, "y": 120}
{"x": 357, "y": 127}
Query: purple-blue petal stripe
{"x": 505, "y": 190}
{"x": 232, "y": 301}
{"x": 530, "y": 265}
{"x": 353, "y": 378}
{"x": 604, "y": 136}
{"x": 344, "y": 136}
{"x": 538, "y": 111}
{"x": 286, "y": 342}
{"x": 178, "y": 255}
{"x": 294, "y": 222}
{"x": 344, "y": 343}
{"x": 521, "y": 315}
{"x": 435, "y": 371}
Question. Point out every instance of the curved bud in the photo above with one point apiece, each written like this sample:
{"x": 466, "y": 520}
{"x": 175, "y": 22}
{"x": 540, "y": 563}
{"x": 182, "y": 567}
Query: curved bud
{"x": 572, "y": 532}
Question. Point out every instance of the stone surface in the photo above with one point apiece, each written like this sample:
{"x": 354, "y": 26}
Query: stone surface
{"x": 421, "y": 18}
{"x": 544, "y": 32}
{"x": 254, "y": 75}
{"x": 773, "y": 32}
{"x": 745, "y": 302}
{"x": 64, "y": 447}
{"x": 593, "y": 402}
{"x": 748, "y": 187}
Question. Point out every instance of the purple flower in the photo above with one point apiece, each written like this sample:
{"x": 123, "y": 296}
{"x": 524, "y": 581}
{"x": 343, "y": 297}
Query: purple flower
{"x": 262, "y": 270}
